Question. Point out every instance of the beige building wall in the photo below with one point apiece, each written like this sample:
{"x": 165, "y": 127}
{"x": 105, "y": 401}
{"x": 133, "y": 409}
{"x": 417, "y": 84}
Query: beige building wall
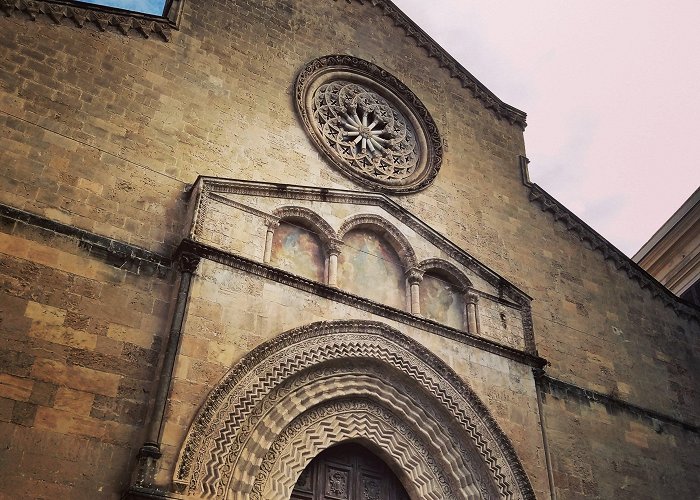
{"x": 102, "y": 136}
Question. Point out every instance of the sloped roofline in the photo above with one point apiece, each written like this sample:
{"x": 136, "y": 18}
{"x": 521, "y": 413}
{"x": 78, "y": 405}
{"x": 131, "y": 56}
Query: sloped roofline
{"x": 488, "y": 99}
{"x": 596, "y": 242}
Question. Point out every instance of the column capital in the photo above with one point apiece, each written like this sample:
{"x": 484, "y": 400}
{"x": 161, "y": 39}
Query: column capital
{"x": 272, "y": 223}
{"x": 334, "y": 247}
{"x": 471, "y": 297}
{"x": 187, "y": 262}
{"x": 414, "y": 276}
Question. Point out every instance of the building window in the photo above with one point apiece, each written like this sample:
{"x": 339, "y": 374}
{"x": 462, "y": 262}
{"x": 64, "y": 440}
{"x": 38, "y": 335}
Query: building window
{"x": 128, "y": 17}
{"x": 154, "y": 7}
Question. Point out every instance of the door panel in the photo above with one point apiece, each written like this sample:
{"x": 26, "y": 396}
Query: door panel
{"x": 348, "y": 472}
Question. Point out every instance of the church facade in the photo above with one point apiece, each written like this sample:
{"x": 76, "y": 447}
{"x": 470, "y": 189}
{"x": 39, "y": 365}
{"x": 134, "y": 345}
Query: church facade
{"x": 291, "y": 250}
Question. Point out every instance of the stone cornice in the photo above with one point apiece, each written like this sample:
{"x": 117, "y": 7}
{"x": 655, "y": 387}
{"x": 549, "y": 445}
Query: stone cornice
{"x": 210, "y": 185}
{"x": 566, "y": 390}
{"x": 101, "y": 17}
{"x": 468, "y": 81}
{"x": 595, "y": 241}
{"x": 307, "y": 285}
{"x": 115, "y": 253}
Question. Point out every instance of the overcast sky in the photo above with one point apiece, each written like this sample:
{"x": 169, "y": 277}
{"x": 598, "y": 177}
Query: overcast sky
{"x": 611, "y": 93}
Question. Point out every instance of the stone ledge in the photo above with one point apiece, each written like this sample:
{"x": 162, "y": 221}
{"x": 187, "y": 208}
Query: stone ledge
{"x": 112, "y": 252}
{"x": 565, "y": 390}
{"x": 286, "y": 278}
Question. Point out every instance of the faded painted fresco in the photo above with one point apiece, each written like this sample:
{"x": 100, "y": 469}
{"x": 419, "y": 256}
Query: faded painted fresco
{"x": 369, "y": 266}
{"x": 439, "y": 301}
{"x": 298, "y": 251}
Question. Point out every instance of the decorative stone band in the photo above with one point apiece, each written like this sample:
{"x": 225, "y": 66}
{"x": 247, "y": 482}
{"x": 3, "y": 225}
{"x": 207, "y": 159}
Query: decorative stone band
{"x": 368, "y": 124}
{"x": 286, "y": 278}
{"x": 205, "y": 186}
{"x": 249, "y": 439}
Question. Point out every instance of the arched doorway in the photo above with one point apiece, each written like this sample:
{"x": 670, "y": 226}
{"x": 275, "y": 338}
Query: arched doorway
{"x": 349, "y": 472}
{"x": 328, "y": 383}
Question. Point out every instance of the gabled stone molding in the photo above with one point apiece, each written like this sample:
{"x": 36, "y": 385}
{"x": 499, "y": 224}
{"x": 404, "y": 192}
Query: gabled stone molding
{"x": 596, "y": 242}
{"x": 528, "y": 357}
{"x": 468, "y": 81}
{"x": 101, "y": 17}
{"x": 204, "y": 186}
{"x": 295, "y": 370}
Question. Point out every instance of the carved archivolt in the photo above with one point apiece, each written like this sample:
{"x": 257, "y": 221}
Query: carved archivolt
{"x": 385, "y": 229}
{"x": 309, "y": 219}
{"x": 439, "y": 266}
{"x": 329, "y": 382}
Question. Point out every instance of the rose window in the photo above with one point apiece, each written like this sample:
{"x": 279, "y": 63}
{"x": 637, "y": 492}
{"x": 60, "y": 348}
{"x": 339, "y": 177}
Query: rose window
{"x": 364, "y": 129}
{"x": 368, "y": 124}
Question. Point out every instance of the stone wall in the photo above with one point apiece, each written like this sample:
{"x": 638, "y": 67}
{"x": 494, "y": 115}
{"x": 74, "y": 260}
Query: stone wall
{"x": 231, "y": 312}
{"x": 104, "y": 133}
{"x": 79, "y": 348}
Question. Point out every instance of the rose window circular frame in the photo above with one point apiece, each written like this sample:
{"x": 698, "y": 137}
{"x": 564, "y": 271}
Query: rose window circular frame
{"x": 368, "y": 124}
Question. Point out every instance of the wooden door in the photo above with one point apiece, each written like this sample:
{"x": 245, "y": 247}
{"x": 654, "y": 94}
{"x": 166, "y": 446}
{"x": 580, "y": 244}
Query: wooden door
{"x": 348, "y": 472}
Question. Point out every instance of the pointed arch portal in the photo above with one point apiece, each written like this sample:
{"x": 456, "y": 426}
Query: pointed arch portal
{"x": 329, "y": 383}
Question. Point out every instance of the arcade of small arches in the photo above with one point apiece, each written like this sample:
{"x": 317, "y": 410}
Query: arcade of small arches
{"x": 370, "y": 257}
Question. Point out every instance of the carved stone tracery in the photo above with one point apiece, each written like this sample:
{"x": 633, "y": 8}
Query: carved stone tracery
{"x": 366, "y": 130}
{"x": 368, "y": 124}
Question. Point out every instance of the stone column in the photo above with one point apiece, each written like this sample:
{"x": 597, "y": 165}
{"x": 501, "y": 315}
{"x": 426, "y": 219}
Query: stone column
{"x": 414, "y": 277}
{"x": 333, "y": 252}
{"x": 472, "y": 319}
{"x": 271, "y": 226}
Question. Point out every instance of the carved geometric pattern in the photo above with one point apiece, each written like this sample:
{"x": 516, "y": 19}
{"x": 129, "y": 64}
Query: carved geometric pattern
{"x": 368, "y": 124}
{"x": 385, "y": 229}
{"x": 371, "y": 489}
{"x": 365, "y": 130}
{"x": 221, "y": 434}
{"x": 426, "y": 432}
{"x": 359, "y": 421}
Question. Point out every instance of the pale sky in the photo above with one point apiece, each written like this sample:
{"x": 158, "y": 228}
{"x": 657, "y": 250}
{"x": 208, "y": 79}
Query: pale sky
{"x": 611, "y": 93}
